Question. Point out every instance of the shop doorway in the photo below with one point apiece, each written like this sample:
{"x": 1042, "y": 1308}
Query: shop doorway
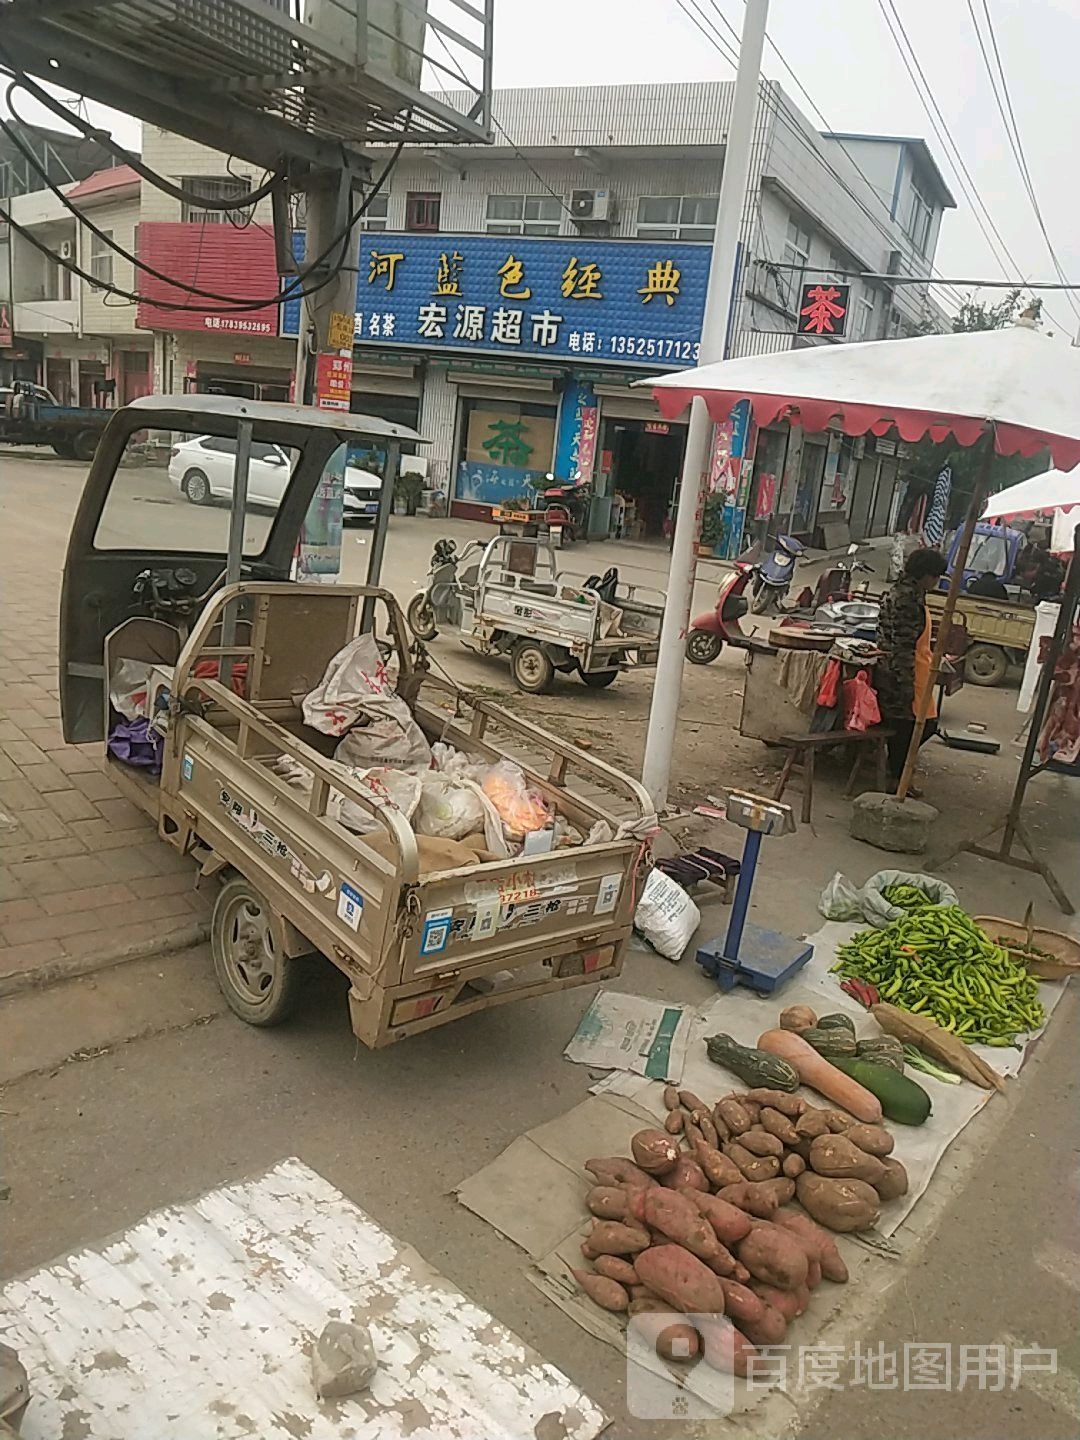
{"x": 639, "y": 465}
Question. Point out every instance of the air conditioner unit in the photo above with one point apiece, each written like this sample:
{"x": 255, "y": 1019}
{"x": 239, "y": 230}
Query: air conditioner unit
{"x": 592, "y": 205}
{"x": 67, "y": 250}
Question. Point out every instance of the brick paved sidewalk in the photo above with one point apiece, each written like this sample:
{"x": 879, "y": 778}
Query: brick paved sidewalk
{"x": 83, "y": 877}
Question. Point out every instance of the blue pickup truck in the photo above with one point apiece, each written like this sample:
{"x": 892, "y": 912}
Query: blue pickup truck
{"x": 31, "y": 415}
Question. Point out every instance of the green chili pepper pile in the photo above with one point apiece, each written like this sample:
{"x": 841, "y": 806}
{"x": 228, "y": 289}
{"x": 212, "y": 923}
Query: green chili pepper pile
{"x": 907, "y": 897}
{"x": 937, "y": 962}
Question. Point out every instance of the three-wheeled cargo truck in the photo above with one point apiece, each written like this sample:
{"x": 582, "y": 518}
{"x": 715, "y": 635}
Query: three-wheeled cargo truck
{"x": 201, "y": 599}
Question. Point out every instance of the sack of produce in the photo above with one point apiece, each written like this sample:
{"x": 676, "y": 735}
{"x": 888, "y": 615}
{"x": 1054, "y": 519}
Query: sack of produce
{"x": 355, "y": 696}
{"x": 666, "y": 916}
{"x": 840, "y": 900}
{"x": 891, "y": 894}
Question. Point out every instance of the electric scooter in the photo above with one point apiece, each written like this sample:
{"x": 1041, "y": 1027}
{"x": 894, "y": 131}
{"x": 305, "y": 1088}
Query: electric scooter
{"x": 439, "y": 603}
{"x": 772, "y": 576}
{"x": 710, "y": 631}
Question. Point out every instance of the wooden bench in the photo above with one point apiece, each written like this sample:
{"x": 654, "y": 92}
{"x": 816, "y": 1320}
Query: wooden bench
{"x": 801, "y": 749}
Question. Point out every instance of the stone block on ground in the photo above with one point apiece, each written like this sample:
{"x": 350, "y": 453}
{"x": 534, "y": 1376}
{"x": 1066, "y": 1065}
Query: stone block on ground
{"x": 889, "y": 823}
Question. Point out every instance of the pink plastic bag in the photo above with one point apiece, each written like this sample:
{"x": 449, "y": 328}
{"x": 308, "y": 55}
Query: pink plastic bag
{"x": 860, "y": 703}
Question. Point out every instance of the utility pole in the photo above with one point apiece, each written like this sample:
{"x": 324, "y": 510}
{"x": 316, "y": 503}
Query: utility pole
{"x": 324, "y": 358}
{"x": 719, "y": 300}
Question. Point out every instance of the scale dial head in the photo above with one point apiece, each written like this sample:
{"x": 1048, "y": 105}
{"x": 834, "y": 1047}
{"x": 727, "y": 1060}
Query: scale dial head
{"x": 759, "y": 813}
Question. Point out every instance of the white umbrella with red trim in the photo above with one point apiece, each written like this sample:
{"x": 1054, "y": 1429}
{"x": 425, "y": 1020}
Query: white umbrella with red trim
{"x": 1016, "y": 387}
{"x": 1055, "y": 493}
{"x": 1025, "y": 384}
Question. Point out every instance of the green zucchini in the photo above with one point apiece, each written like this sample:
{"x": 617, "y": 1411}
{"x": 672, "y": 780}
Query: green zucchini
{"x": 756, "y": 1067}
{"x": 838, "y": 1021}
{"x": 831, "y": 1042}
{"x": 901, "y": 1099}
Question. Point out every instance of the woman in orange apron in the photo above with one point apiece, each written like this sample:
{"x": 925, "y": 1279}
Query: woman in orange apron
{"x": 904, "y": 636}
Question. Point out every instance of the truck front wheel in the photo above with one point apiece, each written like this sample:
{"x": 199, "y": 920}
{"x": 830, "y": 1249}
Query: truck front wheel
{"x": 259, "y": 981}
{"x": 985, "y": 665}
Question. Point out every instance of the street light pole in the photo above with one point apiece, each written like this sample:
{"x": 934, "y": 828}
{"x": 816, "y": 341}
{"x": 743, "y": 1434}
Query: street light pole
{"x": 719, "y": 300}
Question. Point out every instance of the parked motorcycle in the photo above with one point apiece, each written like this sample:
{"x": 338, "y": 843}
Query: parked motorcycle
{"x": 566, "y": 511}
{"x": 714, "y": 629}
{"x": 837, "y": 583}
{"x": 439, "y": 603}
{"x": 772, "y": 576}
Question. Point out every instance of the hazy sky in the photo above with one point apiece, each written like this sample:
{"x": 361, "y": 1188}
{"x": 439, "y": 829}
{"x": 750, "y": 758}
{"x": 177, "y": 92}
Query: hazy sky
{"x": 843, "y": 53}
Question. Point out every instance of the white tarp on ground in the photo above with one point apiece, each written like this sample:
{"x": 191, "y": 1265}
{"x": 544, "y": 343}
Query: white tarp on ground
{"x": 197, "y": 1324}
{"x": 534, "y": 1192}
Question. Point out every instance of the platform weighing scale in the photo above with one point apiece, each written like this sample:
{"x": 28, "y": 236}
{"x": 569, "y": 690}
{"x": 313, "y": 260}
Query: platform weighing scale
{"x": 749, "y": 954}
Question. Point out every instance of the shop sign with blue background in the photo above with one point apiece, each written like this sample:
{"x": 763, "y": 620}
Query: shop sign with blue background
{"x": 627, "y": 302}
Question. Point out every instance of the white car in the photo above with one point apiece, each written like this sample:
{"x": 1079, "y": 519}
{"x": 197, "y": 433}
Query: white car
{"x": 203, "y": 468}
{"x": 362, "y": 491}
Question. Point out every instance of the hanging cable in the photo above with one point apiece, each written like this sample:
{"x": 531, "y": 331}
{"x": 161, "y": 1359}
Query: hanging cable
{"x": 945, "y": 137}
{"x": 829, "y": 131}
{"x": 1012, "y": 132}
{"x": 37, "y": 92}
{"x": 289, "y": 292}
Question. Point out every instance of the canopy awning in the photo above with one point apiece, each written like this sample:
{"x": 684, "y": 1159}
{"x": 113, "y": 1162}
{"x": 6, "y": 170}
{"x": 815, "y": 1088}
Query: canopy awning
{"x": 1025, "y": 384}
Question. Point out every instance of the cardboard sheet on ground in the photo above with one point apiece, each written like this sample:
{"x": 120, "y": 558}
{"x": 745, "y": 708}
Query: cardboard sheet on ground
{"x": 629, "y": 1032}
{"x": 534, "y": 1192}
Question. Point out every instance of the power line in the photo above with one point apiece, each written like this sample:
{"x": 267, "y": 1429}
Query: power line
{"x": 929, "y": 100}
{"x": 1012, "y": 132}
{"x": 829, "y": 129}
{"x": 289, "y": 292}
{"x": 772, "y": 104}
{"x": 89, "y": 131}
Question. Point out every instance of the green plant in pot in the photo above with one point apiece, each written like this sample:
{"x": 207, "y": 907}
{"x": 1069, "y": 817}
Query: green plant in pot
{"x": 408, "y": 487}
{"x": 712, "y": 521}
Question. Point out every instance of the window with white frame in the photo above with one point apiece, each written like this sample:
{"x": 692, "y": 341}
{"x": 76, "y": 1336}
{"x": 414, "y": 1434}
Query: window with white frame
{"x": 523, "y": 215}
{"x": 101, "y": 257}
{"x": 796, "y": 257}
{"x": 863, "y": 321}
{"x": 214, "y": 187}
{"x": 920, "y": 217}
{"x": 375, "y": 214}
{"x": 676, "y": 217}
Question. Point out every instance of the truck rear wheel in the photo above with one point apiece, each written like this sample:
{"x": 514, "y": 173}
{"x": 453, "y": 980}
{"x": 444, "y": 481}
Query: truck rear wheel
{"x": 84, "y": 444}
{"x": 531, "y": 667}
{"x": 599, "y": 679}
{"x": 259, "y": 981}
{"x": 65, "y": 449}
{"x": 985, "y": 665}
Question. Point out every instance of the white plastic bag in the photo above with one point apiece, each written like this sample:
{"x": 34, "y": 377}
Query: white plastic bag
{"x": 666, "y": 916}
{"x": 355, "y": 689}
{"x": 840, "y": 900}
{"x": 396, "y": 787}
{"x": 129, "y": 688}
{"x": 522, "y": 810}
{"x": 449, "y": 808}
{"x": 881, "y": 912}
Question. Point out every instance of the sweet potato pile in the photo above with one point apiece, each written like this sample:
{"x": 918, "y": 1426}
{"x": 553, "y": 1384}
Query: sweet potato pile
{"x": 694, "y": 1222}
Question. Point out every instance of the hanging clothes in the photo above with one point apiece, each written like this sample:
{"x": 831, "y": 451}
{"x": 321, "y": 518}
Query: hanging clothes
{"x": 937, "y": 514}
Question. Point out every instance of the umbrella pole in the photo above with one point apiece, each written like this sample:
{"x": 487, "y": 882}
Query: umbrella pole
{"x": 1013, "y": 826}
{"x": 955, "y": 582}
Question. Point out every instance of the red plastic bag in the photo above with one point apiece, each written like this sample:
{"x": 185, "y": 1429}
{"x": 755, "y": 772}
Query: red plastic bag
{"x": 860, "y": 703}
{"x": 829, "y": 690}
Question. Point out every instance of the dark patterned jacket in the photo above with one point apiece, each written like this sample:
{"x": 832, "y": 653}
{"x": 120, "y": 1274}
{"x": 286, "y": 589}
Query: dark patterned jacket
{"x": 900, "y": 624}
